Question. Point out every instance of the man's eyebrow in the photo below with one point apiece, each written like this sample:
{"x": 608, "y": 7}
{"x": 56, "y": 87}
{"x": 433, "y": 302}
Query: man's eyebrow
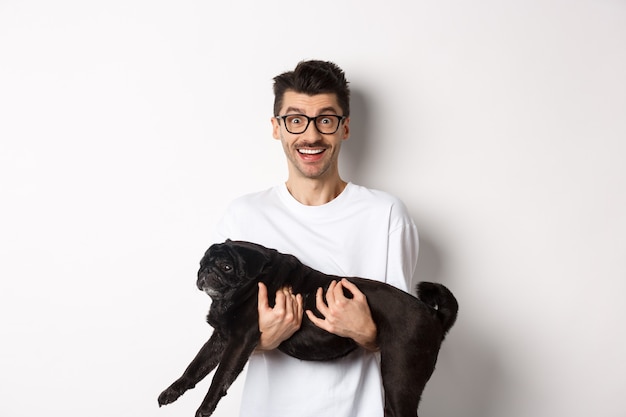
{"x": 325, "y": 110}
{"x": 290, "y": 110}
{"x": 329, "y": 109}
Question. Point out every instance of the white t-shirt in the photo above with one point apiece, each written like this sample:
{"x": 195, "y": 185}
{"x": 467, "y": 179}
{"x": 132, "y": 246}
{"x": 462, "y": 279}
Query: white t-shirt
{"x": 362, "y": 232}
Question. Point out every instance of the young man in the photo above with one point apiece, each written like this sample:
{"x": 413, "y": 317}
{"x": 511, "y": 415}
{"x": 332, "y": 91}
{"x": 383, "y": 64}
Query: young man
{"x": 336, "y": 227}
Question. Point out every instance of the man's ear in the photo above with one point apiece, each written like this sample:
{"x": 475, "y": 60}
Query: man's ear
{"x": 346, "y": 129}
{"x": 275, "y": 128}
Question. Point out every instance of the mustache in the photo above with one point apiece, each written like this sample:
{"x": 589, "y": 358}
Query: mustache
{"x": 306, "y": 144}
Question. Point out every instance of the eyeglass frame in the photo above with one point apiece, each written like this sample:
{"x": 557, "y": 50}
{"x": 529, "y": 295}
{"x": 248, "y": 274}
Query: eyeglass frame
{"x": 308, "y": 122}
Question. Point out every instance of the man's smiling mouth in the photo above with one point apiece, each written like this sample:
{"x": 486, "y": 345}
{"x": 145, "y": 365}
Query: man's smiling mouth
{"x": 309, "y": 151}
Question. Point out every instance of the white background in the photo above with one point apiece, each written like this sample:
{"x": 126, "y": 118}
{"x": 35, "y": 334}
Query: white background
{"x": 127, "y": 125}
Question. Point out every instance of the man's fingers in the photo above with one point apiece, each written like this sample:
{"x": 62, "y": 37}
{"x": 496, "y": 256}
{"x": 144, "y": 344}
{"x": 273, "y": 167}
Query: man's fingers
{"x": 330, "y": 293}
{"x": 351, "y": 288}
{"x": 316, "y": 320}
{"x": 297, "y": 303}
{"x": 263, "y": 303}
{"x": 319, "y": 301}
{"x": 338, "y": 292}
{"x": 289, "y": 302}
{"x": 279, "y": 303}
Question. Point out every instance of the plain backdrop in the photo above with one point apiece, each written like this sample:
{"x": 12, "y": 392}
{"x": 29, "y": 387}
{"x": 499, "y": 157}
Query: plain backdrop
{"x": 126, "y": 126}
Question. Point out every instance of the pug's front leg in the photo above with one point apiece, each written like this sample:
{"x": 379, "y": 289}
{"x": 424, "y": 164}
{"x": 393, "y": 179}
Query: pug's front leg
{"x": 205, "y": 361}
{"x": 234, "y": 359}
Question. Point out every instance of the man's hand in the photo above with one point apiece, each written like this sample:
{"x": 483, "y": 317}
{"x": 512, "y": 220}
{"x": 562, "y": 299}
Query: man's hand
{"x": 280, "y": 322}
{"x": 347, "y": 317}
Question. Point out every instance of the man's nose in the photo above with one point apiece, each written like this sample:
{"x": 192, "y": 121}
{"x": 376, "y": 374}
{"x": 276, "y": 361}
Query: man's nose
{"x": 311, "y": 131}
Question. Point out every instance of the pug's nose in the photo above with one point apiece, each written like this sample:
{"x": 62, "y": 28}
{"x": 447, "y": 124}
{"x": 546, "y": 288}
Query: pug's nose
{"x": 201, "y": 283}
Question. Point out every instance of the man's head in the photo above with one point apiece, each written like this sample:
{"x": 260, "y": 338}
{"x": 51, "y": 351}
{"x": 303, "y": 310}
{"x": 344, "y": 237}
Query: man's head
{"x": 312, "y": 78}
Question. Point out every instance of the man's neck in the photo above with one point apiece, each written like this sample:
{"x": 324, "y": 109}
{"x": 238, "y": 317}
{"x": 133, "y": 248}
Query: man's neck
{"x": 315, "y": 192}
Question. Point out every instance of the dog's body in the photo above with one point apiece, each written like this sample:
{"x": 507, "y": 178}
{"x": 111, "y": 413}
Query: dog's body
{"x": 410, "y": 330}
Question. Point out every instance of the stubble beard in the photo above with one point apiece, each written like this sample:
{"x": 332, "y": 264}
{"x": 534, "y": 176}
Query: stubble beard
{"x": 314, "y": 170}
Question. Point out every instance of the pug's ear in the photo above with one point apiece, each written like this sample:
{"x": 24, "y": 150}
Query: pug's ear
{"x": 253, "y": 261}
{"x": 250, "y": 258}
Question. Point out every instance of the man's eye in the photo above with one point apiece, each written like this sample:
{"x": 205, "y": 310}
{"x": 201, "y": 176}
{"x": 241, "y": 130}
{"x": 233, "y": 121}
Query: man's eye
{"x": 295, "y": 120}
{"x": 326, "y": 121}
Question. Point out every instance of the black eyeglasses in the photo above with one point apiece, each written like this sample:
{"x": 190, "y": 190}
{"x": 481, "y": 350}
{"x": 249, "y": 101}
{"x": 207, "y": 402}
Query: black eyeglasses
{"x": 326, "y": 124}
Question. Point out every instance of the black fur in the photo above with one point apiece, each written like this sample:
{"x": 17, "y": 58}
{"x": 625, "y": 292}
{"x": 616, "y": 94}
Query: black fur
{"x": 410, "y": 330}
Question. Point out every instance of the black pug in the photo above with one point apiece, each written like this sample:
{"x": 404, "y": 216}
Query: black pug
{"x": 410, "y": 329}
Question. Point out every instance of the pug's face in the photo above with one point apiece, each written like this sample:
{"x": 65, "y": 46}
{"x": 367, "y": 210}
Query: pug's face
{"x": 228, "y": 266}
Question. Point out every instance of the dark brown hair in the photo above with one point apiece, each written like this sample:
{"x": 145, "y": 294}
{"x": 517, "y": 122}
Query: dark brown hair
{"x": 311, "y": 78}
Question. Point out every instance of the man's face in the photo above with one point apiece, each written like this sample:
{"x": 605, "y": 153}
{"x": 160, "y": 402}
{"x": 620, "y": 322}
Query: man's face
{"x": 311, "y": 154}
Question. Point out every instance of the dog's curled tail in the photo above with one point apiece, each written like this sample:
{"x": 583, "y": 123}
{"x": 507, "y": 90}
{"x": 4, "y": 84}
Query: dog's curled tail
{"x": 441, "y": 299}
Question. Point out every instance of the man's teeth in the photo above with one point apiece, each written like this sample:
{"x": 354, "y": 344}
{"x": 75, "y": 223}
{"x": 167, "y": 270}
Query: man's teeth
{"x": 310, "y": 151}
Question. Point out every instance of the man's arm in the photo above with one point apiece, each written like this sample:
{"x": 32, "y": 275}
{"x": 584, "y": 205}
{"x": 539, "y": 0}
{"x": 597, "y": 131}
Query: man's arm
{"x": 347, "y": 317}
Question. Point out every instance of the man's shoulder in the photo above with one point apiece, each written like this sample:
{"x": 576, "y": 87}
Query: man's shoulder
{"x": 254, "y": 200}
{"x": 256, "y": 196}
{"x": 374, "y": 195}
{"x": 382, "y": 201}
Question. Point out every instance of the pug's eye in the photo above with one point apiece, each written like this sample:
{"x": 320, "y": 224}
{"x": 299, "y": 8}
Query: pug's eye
{"x": 226, "y": 267}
